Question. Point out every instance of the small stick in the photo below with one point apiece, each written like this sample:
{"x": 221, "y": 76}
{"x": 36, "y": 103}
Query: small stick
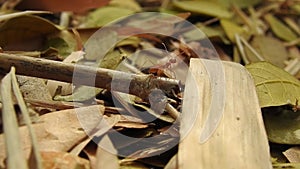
{"x": 139, "y": 85}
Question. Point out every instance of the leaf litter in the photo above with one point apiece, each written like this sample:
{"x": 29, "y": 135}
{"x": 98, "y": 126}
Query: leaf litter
{"x": 247, "y": 32}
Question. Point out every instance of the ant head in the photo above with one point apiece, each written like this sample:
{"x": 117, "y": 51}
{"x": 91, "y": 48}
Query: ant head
{"x": 172, "y": 60}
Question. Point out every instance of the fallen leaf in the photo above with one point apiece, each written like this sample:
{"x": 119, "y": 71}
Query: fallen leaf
{"x": 129, "y": 4}
{"x": 204, "y": 8}
{"x": 34, "y": 88}
{"x": 16, "y": 33}
{"x": 132, "y": 165}
{"x": 106, "y": 155}
{"x": 99, "y": 45}
{"x": 106, "y": 15}
{"x": 282, "y": 126}
{"x": 59, "y": 6}
{"x": 274, "y": 86}
{"x": 231, "y": 29}
{"x": 280, "y": 29}
{"x": 4, "y": 17}
{"x": 286, "y": 165}
{"x": 59, "y": 131}
{"x": 239, "y": 3}
{"x": 63, "y": 160}
{"x": 293, "y": 154}
{"x": 269, "y": 48}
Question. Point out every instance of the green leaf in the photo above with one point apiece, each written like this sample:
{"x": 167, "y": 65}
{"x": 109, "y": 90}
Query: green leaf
{"x": 82, "y": 93}
{"x": 99, "y": 44}
{"x": 296, "y": 8}
{"x": 239, "y": 3}
{"x": 271, "y": 49}
{"x": 105, "y": 15}
{"x": 131, "y": 41}
{"x": 204, "y": 8}
{"x": 58, "y": 43}
{"x": 129, "y": 4}
{"x": 231, "y": 29}
{"x": 274, "y": 86}
{"x": 280, "y": 29}
{"x": 111, "y": 60}
{"x": 286, "y": 165}
{"x": 282, "y": 125}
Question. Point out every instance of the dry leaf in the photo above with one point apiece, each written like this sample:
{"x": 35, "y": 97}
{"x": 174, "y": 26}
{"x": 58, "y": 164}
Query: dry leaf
{"x": 293, "y": 154}
{"x": 17, "y": 32}
{"x": 58, "y": 131}
{"x": 63, "y": 160}
{"x": 59, "y": 6}
{"x": 106, "y": 155}
{"x": 203, "y": 7}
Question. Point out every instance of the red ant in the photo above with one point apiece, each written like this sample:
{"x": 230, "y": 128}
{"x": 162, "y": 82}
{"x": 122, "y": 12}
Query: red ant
{"x": 160, "y": 70}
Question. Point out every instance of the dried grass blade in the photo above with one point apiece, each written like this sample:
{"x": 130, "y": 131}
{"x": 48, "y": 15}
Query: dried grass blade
{"x": 35, "y": 158}
{"x": 15, "y": 159}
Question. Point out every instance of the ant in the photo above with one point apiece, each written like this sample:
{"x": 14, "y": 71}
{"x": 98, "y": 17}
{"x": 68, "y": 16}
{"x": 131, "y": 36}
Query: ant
{"x": 161, "y": 70}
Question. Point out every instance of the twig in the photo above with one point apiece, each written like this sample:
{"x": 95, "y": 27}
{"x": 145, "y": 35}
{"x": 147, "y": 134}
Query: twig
{"x": 241, "y": 49}
{"x": 139, "y": 85}
{"x": 260, "y": 58}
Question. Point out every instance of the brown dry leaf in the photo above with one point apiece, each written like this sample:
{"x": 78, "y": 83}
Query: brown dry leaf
{"x": 129, "y": 124}
{"x": 16, "y": 33}
{"x": 65, "y": 5}
{"x": 293, "y": 154}
{"x": 86, "y": 144}
{"x": 63, "y": 160}
{"x": 99, "y": 156}
{"x": 4, "y": 17}
{"x": 105, "y": 158}
{"x": 34, "y": 88}
{"x": 130, "y": 164}
{"x": 236, "y": 136}
{"x": 57, "y": 131}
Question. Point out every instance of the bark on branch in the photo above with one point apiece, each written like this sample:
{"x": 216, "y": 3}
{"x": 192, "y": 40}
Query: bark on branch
{"x": 139, "y": 85}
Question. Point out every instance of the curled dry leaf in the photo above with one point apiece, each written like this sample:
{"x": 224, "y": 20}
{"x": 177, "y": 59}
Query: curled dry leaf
{"x": 25, "y": 29}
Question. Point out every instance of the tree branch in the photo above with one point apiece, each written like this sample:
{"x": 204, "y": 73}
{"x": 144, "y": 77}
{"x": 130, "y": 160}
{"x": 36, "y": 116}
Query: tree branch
{"x": 139, "y": 85}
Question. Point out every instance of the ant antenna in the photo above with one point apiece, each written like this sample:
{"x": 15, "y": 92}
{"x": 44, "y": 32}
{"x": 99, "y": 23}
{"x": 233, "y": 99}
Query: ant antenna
{"x": 165, "y": 47}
